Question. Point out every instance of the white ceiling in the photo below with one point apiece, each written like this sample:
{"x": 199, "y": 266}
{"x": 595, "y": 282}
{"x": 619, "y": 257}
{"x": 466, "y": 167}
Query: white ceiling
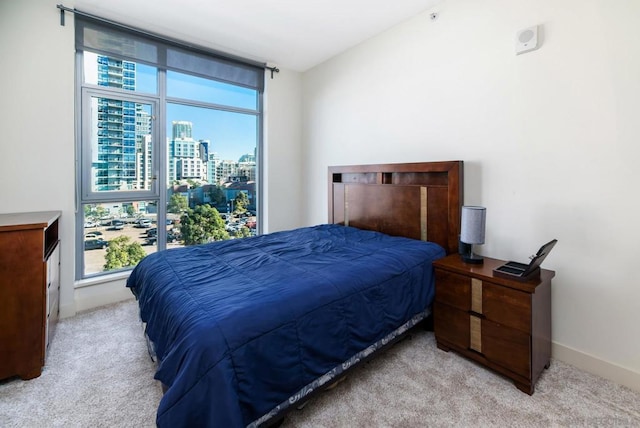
{"x": 292, "y": 34}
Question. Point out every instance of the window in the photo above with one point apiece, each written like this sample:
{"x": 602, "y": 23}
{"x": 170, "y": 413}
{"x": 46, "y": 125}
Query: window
{"x": 168, "y": 137}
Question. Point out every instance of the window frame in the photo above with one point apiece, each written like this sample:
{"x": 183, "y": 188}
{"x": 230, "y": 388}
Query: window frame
{"x": 158, "y": 192}
{"x": 89, "y": 195}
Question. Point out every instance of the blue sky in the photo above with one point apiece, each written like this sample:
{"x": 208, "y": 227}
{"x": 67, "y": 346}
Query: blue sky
{"x": 231, "y": 134}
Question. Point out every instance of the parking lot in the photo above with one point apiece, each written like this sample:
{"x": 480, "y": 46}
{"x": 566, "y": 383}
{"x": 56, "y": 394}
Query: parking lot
{"x": 94, "y": 259}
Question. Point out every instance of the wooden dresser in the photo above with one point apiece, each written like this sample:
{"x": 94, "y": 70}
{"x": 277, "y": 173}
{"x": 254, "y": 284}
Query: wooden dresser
{"x": 501, "y": 323}
{"x": 29, "y": 290}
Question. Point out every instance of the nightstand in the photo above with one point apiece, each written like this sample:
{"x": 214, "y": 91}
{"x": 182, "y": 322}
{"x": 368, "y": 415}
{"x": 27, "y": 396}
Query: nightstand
{"x": 501, "y": 323}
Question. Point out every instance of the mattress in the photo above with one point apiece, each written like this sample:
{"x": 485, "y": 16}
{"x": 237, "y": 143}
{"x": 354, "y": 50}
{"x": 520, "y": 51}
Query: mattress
{"x": 243, "y": 327}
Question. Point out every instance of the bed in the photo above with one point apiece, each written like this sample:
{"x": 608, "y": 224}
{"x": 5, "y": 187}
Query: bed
{"x": 247, "y": 329}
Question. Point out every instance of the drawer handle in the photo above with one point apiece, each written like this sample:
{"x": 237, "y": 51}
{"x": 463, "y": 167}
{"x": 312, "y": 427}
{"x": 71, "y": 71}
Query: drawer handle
{"x": 477, "y": 315}
{"x": 475, "y": 330}
{"x": 476, "y": 295}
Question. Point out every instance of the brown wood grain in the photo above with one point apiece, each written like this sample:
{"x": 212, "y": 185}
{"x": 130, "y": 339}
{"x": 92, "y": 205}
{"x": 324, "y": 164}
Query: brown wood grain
{"x": 390, "y": 198}
{"x": 26, "y": 277}
{"x": 509, "y": 332}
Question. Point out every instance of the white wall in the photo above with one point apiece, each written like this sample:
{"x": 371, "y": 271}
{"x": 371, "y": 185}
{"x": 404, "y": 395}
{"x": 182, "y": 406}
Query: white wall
{"x": 37, "y": 149}
{"x": 283, "y": 148}
{"x": 36, "y": 119}
{"x": 549, "y": 139}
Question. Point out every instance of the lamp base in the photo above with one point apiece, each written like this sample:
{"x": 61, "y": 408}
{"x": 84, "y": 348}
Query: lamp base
{"x": 472, "y": 258}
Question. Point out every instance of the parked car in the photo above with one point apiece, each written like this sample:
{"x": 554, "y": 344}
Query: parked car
{"x": 90, "y": 224}
{"x": 173, "y": 236}
{"x": 117, "y": 225}
{"x": 93, "y": 235}
{"x": 143, "y": 223}
{"x": 152, "y": 236}
{"x": 94, "y": 244}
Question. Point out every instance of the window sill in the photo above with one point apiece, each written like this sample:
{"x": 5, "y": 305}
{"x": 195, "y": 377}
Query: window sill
{"x": 102, "y": 279}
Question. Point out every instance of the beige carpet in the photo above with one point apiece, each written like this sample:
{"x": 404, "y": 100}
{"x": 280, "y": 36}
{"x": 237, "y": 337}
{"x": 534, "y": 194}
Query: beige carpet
{"x": 99, "y": 375}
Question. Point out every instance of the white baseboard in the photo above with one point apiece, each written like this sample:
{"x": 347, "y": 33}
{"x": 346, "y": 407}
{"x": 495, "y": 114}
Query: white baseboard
{"x": 596, "y": 366}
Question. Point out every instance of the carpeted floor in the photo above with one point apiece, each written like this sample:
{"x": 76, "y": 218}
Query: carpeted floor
{"x": 98, "y": 374}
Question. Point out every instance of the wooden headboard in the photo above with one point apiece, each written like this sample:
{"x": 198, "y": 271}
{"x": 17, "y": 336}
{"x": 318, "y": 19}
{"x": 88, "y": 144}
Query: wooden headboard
{"x": 417, "y": 200}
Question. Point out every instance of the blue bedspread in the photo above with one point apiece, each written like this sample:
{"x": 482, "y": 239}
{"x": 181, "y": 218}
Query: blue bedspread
{"x": 241, "y": 325}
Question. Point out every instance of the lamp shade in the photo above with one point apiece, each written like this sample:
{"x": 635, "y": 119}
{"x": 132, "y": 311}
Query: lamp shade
{"x": 472, "y": 224}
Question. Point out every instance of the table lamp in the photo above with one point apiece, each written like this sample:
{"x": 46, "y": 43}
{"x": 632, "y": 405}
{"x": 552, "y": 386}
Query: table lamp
{"x": 472, "y": 231}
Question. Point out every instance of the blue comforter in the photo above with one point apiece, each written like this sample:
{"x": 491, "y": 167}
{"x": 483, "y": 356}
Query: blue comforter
{"x": 240, "y": 326}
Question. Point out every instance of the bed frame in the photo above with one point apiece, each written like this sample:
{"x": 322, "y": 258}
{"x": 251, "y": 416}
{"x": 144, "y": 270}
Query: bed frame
{"x": 416, "y": 200}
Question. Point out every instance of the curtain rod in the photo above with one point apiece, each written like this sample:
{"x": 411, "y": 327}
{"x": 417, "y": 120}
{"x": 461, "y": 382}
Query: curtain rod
{"x": 64, "y": 9}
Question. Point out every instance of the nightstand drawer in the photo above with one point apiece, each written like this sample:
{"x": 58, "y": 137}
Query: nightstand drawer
{"x": 496, "y": 303}
{"x": 453, "y": 289}
{"x": 451, "y": 325}
{"x": 507, "y": 347}
{"x": 498, "y": 343}
{"x": 507, "y": 306}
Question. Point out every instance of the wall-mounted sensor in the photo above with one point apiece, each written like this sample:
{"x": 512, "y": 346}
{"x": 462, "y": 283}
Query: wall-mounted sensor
{"x": 527, "y": 40}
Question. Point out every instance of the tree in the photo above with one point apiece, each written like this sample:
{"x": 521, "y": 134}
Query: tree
{"x": 130, "y": 210}
{"x": 201, "y": 225}
{"x": 177, "y": 204}
{"x": 101, "y": 211}
{"x": 217, "y": 196}
{"x": 123, "y": 253}
{"x": 241, "y": 202}
{"x": 193, "y": 184}
{"x": 243, "y": 232}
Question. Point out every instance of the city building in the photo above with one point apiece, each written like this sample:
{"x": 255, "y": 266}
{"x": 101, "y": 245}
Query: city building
{"x": 124, "y": 129}
{"x": 185, "y": 154}
{"x": 114, "y": 167}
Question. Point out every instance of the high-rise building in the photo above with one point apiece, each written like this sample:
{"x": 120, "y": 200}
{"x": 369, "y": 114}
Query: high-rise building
{"x": 247, "y": 166}
{"x": 144, "y": 152}
{"x": 213, "y": 161}
{"x": 182, "y": 129}
{"x": 226, "y": 170}
{"x": 124, "y": 132}
{"x": 248, "y": 158}
{"x": 204, "y": 149}
{"x": 185, "y": 154}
